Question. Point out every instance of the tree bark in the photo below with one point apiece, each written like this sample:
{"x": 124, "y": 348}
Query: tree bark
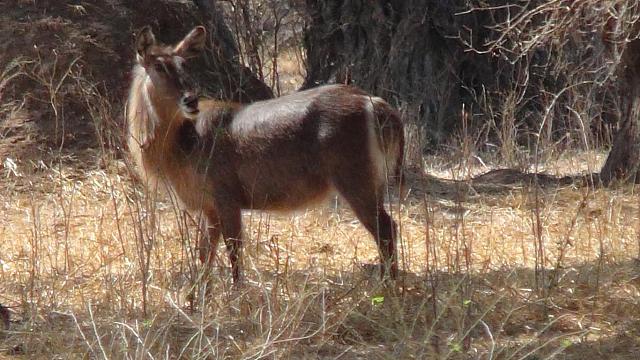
{"x": 623, "y": 162}
{"x": 405, "y": 51}
{"x": 236, "y": 81}
{"x": 440, "y": 61}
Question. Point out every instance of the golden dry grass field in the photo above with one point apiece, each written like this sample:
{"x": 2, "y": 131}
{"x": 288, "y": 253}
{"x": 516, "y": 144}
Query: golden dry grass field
{"x": 92, "y": 267}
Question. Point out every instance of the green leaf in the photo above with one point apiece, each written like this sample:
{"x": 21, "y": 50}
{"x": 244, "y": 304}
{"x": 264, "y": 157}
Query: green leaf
{"x": 377, "y": 300}
{"x": 455, "y": 347}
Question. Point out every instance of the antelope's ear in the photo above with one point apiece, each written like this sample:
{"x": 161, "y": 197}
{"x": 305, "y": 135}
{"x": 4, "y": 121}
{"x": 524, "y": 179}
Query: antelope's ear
{"x": 144, "y": 41}
{"x": 192, "y": 44}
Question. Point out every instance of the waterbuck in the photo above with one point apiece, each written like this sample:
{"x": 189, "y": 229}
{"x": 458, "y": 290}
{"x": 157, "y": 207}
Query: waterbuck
{"x": 282, "y": 154}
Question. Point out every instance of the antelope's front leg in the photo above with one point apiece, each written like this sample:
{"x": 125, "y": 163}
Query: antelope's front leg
{"x": 209, "y": 242}
{"x": 231, "y": 222}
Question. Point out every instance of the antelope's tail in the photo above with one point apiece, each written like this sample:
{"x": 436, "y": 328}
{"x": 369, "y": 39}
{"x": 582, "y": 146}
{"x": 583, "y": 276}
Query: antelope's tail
{"x": 391, "y": 140}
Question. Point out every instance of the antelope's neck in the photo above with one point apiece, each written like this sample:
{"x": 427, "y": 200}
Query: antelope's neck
{"x": 155, "y": 119}
{"x": 164, "y": 108}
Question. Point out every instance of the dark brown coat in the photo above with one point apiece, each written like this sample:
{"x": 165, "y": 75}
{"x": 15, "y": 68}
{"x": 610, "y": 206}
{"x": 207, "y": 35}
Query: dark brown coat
{"x": 280, "y": 154}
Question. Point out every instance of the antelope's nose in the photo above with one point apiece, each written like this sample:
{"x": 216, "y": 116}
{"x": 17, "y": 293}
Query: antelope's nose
{"x": 189, "y": 102}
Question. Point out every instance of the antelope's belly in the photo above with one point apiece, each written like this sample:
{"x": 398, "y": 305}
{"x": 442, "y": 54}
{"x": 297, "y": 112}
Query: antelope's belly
{"x": 287, "y": 195}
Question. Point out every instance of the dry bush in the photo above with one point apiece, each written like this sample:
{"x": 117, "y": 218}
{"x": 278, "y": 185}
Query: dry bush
{"x": 563, "y": 61}
{"x": 268, "y": 35}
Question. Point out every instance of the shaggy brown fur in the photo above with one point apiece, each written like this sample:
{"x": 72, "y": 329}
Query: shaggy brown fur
{"x": 280, "y": 154}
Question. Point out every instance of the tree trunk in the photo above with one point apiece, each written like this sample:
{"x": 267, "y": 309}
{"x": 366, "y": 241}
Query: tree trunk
{"x": 443, "y": 62}
{"x": 413, "y": 54}
{"x": 397, "y": 49}
{"x": 623, "y": 162}
{"x": 235, "y": 81}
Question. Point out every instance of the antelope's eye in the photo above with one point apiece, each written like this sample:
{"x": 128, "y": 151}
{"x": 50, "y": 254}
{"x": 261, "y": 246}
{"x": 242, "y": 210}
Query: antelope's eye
{"x": 178, "y": 60}
{"x": 159, "y": 67}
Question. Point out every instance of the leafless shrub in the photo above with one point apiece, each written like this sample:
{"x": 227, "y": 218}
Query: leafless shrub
{"x": 564, "y": 57}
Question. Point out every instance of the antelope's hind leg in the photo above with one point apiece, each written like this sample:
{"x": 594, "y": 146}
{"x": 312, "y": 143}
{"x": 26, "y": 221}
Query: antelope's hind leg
{"x": 366, "y": 199}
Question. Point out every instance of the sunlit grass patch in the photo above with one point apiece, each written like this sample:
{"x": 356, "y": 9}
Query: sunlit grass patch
{"x": 90, "y": 266}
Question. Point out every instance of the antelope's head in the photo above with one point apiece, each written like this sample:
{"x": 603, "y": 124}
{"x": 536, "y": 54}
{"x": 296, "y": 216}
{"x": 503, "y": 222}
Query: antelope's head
{"x": 166, "y": 67}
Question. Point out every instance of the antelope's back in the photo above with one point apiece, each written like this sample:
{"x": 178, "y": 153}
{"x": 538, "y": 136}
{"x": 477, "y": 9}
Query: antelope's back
{"x": 286, "y": 146}
{"x": 327, "y": 104}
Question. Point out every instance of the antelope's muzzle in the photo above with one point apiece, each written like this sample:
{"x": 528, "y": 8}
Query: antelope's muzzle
{"x": 189, "y": 103}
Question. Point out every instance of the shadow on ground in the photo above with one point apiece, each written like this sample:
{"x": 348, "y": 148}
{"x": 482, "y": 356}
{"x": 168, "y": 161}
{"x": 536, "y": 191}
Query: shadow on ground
{"x": 496, "y": 182}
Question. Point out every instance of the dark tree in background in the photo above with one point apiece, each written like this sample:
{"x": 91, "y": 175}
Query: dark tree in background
{"x": 397, "y": 49}
{"x": 521, "y": 74}
{"x": 527, "y": 73}
{"x": 624, "y": 159}
{"x": 438, "y": 61}
{"x": 223, "y": 61}
{"x": 595, "y": 48}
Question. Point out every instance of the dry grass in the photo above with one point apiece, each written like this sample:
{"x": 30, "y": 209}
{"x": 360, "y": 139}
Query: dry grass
{"x": 84, "y": 254}
{"x": 93, "y": 267}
